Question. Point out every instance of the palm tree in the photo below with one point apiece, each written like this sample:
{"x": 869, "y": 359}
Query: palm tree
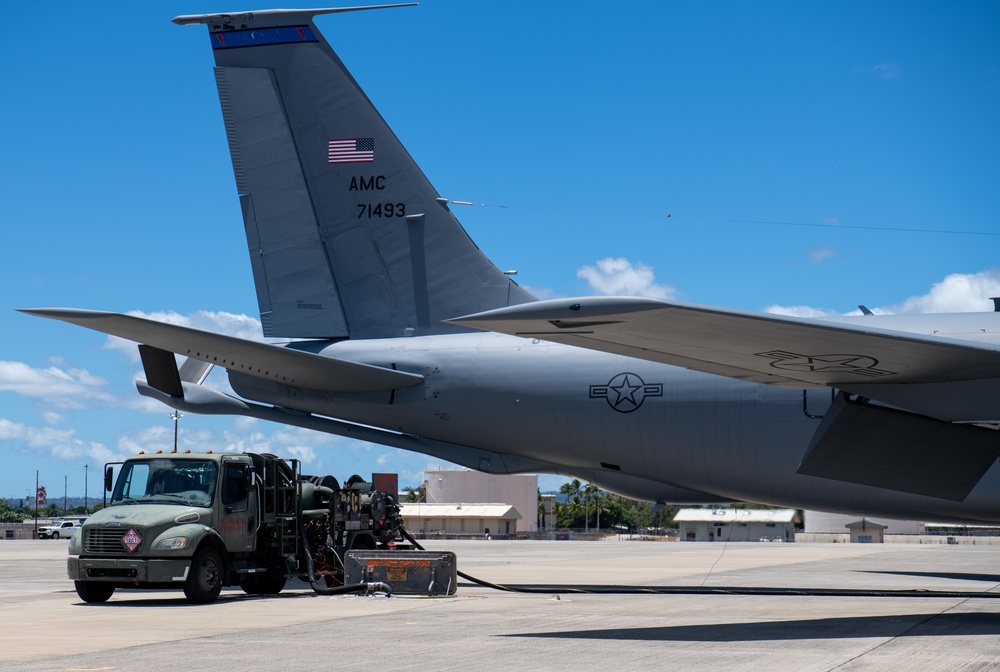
{"x": 598, "y": 496}
{"x": 571, "y": 489}
{"x": 417, "y": 496}
{"x": 588, "y": 491}
{"x": 571, "y": 507}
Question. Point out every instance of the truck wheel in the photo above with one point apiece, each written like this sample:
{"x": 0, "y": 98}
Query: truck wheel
{"x": 94, "y": 591}
{"x": 253, "y": 584}
{"x": 204, "y": 581}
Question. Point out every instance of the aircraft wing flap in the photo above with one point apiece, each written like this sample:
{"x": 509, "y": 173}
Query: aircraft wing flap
{"x": 888, "y": 448}
{"x": 288, "y": 366}
{"x": 758, "y": 347}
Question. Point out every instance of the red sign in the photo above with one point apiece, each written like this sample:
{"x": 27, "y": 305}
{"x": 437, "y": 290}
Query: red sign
{"x": 387, "y": 483}
{"x": 40, "y": 496}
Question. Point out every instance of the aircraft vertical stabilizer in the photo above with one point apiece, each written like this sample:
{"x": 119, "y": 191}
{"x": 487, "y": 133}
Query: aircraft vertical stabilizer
{"x": 347, "y": 238}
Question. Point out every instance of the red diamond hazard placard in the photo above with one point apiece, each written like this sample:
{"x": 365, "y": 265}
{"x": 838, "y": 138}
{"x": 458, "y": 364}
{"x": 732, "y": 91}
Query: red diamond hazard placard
{"x": 131, "y": 540}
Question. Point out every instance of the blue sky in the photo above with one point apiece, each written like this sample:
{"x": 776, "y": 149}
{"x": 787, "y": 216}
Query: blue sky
{"x": 783, "y": 139}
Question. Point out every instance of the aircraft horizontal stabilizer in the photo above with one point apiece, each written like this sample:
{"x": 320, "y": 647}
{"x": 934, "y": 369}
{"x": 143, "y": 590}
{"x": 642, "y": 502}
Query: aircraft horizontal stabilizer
{"x": 758, "y": 347}
{"x": 262, "y": 360}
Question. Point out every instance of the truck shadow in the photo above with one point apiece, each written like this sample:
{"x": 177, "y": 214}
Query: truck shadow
{"x": 125, "y": 598}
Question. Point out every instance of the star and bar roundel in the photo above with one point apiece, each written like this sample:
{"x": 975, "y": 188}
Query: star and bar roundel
{"x": 626, "y": 392}
{"x": 861, "y": 365}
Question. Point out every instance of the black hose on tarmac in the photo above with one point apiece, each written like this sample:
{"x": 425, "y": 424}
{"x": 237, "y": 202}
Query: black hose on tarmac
{"x": 701, "y": 590}
{"x": 496, "y": 586}
{"x": 317, "y": 586}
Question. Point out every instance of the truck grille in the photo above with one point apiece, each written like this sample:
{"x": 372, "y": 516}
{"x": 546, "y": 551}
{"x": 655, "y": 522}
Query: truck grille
{"x": 100, "y": 540}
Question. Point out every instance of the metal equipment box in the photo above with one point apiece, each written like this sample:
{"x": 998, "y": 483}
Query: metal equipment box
{"x": 408, "y": 572}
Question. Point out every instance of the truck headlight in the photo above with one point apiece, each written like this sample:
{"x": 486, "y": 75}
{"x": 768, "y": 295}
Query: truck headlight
{"x": 171, "y": 544}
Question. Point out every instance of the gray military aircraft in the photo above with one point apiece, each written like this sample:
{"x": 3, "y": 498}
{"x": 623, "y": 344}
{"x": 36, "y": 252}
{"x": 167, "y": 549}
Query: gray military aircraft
{"x": 405, "y": 334}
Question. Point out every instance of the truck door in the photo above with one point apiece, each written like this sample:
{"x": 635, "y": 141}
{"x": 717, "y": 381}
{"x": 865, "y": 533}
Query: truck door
{"x": 238, "y": 507}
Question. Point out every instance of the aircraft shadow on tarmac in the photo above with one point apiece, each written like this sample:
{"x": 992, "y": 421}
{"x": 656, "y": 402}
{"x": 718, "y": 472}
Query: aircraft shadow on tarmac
{"x": 912, "y": 625}
{"x": 991, "y": 578}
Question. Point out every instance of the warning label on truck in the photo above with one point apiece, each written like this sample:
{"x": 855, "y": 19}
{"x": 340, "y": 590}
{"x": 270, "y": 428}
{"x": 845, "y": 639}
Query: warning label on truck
{"x": 131, "y": 540}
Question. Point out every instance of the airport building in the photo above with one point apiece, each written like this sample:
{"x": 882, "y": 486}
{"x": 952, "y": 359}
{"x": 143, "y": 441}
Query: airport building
{"x": 843, "y": 528}
{"x": 735, "y": 524}
{"x": 466, "y": 487}
{"x": 821, "y": 522}
{"x": 866, "y": 531}
{"x": 461, "y": 519}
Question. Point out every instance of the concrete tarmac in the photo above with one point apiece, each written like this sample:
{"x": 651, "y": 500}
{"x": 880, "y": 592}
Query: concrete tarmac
{"x": 45, "y": 626}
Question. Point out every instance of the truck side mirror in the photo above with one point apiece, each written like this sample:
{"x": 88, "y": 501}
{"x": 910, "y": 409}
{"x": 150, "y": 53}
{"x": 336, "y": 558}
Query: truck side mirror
{"x": 109, "y": 479}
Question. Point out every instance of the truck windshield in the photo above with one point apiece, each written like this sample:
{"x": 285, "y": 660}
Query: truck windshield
{"x": 166, "y": 481}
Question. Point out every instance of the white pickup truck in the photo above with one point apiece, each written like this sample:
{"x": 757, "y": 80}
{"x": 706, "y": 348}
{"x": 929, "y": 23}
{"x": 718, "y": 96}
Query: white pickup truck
{"x": 59, "y": 528}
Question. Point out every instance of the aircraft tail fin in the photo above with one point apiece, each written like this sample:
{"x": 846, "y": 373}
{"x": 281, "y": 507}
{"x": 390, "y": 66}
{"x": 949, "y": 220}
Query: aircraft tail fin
{"x": 347, "y": 237}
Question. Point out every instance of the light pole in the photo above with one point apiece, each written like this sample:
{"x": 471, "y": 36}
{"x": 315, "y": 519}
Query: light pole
{"x": 86, "y": 482}
{"x": 175, "y": 416}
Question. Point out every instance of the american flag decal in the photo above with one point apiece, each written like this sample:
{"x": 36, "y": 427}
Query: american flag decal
{"x": 351, "y": 150}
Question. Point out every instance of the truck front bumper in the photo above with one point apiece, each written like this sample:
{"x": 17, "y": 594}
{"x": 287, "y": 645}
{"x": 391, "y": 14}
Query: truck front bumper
{"x": 128, "y": 570}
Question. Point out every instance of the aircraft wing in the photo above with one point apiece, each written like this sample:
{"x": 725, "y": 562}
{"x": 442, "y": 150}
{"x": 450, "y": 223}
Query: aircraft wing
{"x": 292, "y": 367}
{"x": 758, "y": 347}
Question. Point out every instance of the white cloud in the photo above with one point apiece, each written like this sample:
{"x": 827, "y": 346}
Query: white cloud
{"x": 620, "y": 277}
{"x": 886, "y": 70}
{"x": 245, "y": 424}
{"x": 800, "y": 311}
{"x": 244, "y": 435}
{"x": 52, "y": 418}
{"x": 541, "y": 293}
{"x": 11, "y": 430}
{"x": 59, "y": 388}
{"x": 957, "y": 293}
{"x": 304, "y": 454}
{"x": 59, "y": 443}
{"x": 816, "y": 256}
{"x": 319, "y": 453}
{"x": 62, "y": 387}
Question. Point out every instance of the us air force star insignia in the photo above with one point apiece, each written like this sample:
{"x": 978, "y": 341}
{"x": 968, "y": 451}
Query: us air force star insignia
{"x": 626, "y": 392}
{"x": 861, "y": 365}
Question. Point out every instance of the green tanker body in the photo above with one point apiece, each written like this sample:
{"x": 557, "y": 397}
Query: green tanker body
{"x": 203, "y": 521}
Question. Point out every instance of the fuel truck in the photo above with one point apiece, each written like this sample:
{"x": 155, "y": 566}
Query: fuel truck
{"x": 202, "y": 521}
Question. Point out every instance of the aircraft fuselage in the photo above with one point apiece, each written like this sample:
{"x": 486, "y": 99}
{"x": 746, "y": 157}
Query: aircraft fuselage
{"x": 651, "y": 430}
